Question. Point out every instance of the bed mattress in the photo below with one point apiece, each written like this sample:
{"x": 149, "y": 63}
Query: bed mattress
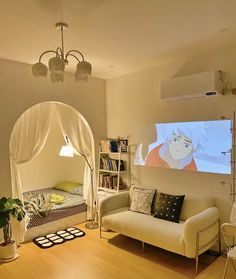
{"x": 73, "y": 204}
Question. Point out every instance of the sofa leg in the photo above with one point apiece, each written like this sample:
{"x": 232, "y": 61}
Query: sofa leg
{"x": 100, "y": 231}
{"x": 219, "y": 246}
{"x": 196, "y": 266}
{"x": 219, "y": 238}
{"x": 143, "y": 246}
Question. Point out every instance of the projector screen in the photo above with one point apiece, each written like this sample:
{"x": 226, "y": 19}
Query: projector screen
{"x": 197, "y": 146}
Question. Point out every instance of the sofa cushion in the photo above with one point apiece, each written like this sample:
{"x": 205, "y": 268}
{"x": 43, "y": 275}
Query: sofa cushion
{"x": 169, "y": 207}
{"x": 141, "y": 200}
{"x": 158, "y": 232}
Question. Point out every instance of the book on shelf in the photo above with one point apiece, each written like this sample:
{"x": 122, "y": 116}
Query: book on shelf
{"x": 113, "y": 145}
{"x": 110, "y": 182}
{"x": 106, "y": 163}
{"x": 109, "y": 145}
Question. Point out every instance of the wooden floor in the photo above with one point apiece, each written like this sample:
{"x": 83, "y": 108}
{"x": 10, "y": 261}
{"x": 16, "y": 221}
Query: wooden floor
{"x": 113, "y": 256}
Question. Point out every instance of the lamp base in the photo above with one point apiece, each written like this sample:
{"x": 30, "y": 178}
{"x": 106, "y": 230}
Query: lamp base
{"x": 91, "y": 225}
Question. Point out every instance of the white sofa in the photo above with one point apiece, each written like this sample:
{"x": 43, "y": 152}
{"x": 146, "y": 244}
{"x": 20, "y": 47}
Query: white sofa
{"x": 197, "y": 231}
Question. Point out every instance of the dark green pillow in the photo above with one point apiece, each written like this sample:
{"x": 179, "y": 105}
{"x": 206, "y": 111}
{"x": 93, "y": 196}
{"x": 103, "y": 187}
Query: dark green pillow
{"x": 169, "y": 207}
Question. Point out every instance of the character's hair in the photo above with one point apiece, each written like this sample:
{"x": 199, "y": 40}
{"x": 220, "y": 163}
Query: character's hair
{"x": 195, "y": 131}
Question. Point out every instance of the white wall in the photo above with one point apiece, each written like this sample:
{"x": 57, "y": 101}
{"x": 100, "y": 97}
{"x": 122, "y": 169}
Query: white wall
{"x": 48, "y": 168}
{"x": 134, "y": 100}
{"x": 20, "y": 90}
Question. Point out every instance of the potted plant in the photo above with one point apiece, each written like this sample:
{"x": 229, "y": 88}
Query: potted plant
{"x": 9, "y": 208}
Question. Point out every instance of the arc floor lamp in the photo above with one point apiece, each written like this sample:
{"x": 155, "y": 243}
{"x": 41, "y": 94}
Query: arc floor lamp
{"x": 67, "y": 150}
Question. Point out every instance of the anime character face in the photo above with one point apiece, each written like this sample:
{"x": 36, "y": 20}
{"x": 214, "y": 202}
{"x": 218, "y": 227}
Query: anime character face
{"x": 180, "y": 146}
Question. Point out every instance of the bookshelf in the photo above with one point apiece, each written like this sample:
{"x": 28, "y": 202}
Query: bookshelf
{"x": 113, "y": 166}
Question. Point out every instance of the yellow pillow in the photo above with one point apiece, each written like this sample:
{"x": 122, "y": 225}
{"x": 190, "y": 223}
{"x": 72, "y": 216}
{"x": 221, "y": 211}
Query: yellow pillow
{"x": 66, "y": 186}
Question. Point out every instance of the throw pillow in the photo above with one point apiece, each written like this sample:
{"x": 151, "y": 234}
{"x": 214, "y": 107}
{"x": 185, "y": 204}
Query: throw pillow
{"x": 66, "y": 186}
{"x": 169, "y": 207}
{"x": 142, "y": 200}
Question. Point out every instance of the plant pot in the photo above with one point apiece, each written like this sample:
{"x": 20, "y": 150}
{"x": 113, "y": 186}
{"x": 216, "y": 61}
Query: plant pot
{"x": 8, "y": 252}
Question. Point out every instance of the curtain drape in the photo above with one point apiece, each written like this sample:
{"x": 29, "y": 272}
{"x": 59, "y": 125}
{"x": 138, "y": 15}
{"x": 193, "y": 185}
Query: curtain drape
{"x": 27, "y": 140}
{"x": 76, "y": 128}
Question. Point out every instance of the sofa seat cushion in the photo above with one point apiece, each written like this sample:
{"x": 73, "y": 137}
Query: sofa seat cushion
{"x": 146, "y": 228}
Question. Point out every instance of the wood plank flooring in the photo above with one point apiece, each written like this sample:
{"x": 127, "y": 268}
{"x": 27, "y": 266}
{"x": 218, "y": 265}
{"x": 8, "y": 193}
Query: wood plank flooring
{"x": 113, "y": 256}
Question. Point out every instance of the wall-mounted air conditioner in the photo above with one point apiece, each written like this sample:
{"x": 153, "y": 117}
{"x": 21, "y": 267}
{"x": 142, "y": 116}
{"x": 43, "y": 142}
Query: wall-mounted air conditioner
{"x": 197, "y": 85}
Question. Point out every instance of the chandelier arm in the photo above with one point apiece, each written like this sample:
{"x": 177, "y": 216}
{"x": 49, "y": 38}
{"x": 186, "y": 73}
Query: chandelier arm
{"x": 69, "y": 54}
{"x": 74, "y": 50}
{"x": 59, "y": 49}
{"x": 40, "y": 57}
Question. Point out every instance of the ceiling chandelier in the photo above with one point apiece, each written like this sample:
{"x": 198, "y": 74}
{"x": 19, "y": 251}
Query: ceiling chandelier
{"x": 57, "y": 63}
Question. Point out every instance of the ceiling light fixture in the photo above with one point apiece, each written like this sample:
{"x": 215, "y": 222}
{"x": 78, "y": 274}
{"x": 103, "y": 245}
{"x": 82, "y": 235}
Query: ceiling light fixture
{"x": 57, "y": 63}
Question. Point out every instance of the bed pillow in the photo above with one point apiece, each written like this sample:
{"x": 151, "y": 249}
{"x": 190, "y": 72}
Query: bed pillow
{"x": 169, "y": 207}
{"x": 141, "y": 200}
{"x": 78, "y": 190}
{"x": 66, "y": 186}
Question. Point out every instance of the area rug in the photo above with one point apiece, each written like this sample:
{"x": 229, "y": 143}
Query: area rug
{"x": 51, "y": 239}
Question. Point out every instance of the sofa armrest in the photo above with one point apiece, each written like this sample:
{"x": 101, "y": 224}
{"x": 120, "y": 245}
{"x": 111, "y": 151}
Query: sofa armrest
{"x": 201, "y": 231}
{"x": 113, "y": 202}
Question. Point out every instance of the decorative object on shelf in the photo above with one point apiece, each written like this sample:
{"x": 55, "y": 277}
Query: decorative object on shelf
{"x": 123, "y": 143}
{"x": 60, "y": 60}
{"x": 93, "y": 224}
{"x": 9, "y": 208}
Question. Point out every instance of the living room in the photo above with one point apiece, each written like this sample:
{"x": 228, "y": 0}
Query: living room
{"x": 122, "y": 96}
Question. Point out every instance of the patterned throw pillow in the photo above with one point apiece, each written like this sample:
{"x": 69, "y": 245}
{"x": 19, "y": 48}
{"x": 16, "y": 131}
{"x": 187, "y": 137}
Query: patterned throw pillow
{"x": 169, "y": 207}
{"x": 142, "y": 200}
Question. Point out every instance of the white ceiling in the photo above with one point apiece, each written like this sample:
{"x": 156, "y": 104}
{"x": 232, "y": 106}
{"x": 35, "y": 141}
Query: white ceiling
{"x": 116, "y": 36}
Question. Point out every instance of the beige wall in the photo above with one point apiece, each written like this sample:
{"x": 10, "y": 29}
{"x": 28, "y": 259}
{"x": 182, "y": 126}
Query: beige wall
{"x": 48, "y": 167}
{"x": 134, "y": 100}
{"x": 19, "y": 91}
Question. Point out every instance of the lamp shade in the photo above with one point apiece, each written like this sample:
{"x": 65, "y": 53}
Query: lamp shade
{"x": 79, "y": 76}
{"x": 84, "y": 69}
{"x": 57, "y": 77}
{"x": 39, "y": 70}
{"x": 56, "y": 65}
{"x": 66, "y": 151}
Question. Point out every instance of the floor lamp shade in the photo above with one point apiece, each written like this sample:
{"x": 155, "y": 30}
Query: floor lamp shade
{"x": 66, "y": 151}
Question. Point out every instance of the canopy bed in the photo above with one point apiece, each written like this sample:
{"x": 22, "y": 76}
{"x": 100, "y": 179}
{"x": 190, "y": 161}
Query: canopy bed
{"x": 27, "y": 140}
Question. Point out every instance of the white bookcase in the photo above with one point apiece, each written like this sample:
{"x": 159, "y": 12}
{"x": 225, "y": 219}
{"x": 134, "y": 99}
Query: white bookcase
{"x": 113, "y": 170}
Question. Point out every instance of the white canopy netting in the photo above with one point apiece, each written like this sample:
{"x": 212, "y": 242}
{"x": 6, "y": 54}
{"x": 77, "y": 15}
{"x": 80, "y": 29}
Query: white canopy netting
{"x": 29, "y": 136}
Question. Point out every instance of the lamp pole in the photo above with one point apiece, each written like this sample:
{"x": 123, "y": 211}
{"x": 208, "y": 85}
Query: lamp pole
{"x": 93, "y": 224}
{"x": 233, "y": 161}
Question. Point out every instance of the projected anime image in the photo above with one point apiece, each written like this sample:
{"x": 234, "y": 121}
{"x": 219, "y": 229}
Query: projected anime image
{"x": 197, "y": 146}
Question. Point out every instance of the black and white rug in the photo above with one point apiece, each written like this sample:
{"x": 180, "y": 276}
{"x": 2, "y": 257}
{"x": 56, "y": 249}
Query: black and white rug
{"x": 51, "y": 239}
